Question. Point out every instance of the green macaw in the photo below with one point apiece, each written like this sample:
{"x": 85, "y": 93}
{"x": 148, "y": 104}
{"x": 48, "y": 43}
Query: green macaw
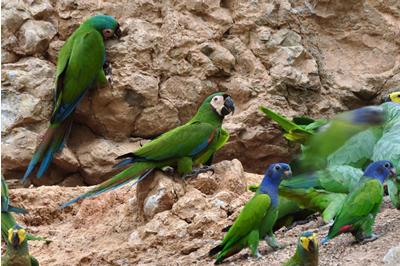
{"x": 358, "y": 211}
{"x": 7, "y": 220}
{"x": 306, "y": 252}
{"x": 289, "y": 213}
{"x": 181, "y": 147}
{"x": 79, "y": 66}
{"x": 17, "y": 253}
{"x": 257, "y": 218}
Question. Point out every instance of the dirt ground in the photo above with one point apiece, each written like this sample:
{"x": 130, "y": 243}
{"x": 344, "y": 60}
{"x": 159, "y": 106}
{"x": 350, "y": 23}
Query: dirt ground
{"x": 107, "y": 230}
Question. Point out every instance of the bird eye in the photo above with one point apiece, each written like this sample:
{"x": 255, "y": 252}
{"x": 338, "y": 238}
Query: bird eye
{"x": 277, "y": 168}
{"x": 387, "y": 165}
{"x": 215, "y": 99}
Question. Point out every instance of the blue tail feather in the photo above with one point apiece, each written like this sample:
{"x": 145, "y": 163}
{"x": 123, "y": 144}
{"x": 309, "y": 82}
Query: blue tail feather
{"x": 128, "y": 161}
{"x": 323, "y": 241}
{"x": 16, "y": 209}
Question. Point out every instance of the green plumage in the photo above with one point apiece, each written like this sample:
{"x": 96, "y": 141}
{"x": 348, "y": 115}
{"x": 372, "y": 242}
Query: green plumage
{"x": 7, "y": 219}
{"x": 181, "y": 147}
{"x": 358, "y": 211}
{"x": 17, "y": 253}
{"x": 79, "y": 66}
{"x": 307, "y": 251}
{"x": 257, "y": 218}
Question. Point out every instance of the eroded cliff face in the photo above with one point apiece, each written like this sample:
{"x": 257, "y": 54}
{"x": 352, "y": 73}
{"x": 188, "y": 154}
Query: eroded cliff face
{"x": 313, "y": 58}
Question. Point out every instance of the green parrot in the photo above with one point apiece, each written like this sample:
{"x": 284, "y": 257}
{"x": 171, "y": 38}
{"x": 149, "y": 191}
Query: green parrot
{"x": 358, "y": 211}
{"x": 322, "y": 191}
{"x": 256, "y": 219}
{"x": 7, "y": 220}
{"x": 17, "y": 253}
{"x": 79, "y": 66}
{"x": 306, "y": 252}
{"x": 289, "y": 213}
{"x": 181, "y": 147}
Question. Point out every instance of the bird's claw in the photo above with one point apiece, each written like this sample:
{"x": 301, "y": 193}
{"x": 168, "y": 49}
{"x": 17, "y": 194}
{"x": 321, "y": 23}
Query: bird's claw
{"x": 200, "y": 170}
{"x": 256, "y": 256}
{"x": 373, "y": 237}
{"x": 108, "y": 72}
{"x": 314, "y": 217}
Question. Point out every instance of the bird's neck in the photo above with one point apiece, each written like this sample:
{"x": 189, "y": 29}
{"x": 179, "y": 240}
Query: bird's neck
{"x": 270, "y": 187}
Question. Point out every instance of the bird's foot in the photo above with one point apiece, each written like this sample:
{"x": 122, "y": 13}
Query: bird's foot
{"x": 373, "y": 237}
{"x": 327, "y": 225}
{"x": 108, "y": 72}
{"x": 256, "y": 256}
{"x": 200, "y": 170}
{"x": 280, "y": 246}
{"x": 314, "y": 217}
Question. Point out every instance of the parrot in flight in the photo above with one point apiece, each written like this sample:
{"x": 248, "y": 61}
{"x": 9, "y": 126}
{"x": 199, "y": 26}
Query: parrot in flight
{"x": 7, "y": 220}
{"x": 257, "y": 218}
{"x": 17, "y": 252}
{"x": 181, "y": 147}
{"x": 306, "y": 252}
{"x": 358, "y": 211}
{"x": 79, "y": 66}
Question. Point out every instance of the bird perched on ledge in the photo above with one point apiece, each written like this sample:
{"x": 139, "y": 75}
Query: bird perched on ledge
{"x": 181, "y": 147}
{"x": 79, "y": 66}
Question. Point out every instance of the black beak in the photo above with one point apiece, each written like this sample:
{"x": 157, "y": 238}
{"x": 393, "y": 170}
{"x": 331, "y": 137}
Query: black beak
{"x": 388, "y": 99}
{"x": 229, "y": 106}
{"x": 311, "y": 245}
{"x": 15, "y": 239}
{"x": 118, "y": 32}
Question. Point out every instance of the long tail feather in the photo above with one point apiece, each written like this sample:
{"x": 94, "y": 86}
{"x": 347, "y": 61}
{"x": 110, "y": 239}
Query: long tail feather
{"x": 53, "y": 142}
{"x": 120, "y": 179}
{"x": 16, "y": 209}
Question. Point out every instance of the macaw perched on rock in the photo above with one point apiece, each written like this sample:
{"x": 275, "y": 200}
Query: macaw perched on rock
{"x": 306, "y": 252}
{"x": 17, "y": 253}
{"x": 7, "y": 220}
{"x": 79, "y": 66}
{"x": 359, "y": 209}
{"x": 257, "y": 217}
{"x": 181, "y": 147}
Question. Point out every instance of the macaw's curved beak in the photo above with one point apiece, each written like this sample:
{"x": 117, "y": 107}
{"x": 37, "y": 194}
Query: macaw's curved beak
{"x": 15, "y": 239}
{"x": 229, "y": 106}
{"x": 287, "y": 175}
{"x": 311, "y": 245}
{"x": 393, "y": 173}
{"x": 118, "y": 32}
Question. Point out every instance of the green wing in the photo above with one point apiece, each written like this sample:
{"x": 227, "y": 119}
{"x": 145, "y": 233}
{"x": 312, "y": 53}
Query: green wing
{"x": 186, "y": 140}
{"x": 364, "y": 200}
{"x": 206, "y": 156}
{"x": 34, "y": 261}
{"x": 249, "y": 219}
{"x": 295, "y": 132}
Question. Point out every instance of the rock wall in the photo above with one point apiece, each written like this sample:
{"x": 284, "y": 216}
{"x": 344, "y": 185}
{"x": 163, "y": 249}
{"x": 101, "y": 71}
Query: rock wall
{"x": 313, "y": 58}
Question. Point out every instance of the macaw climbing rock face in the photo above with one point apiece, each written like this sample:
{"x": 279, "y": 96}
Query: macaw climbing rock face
{"x": 257, "y": 218}
{"x": 79, "y": 66}
{"x": 182, "y": 147}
